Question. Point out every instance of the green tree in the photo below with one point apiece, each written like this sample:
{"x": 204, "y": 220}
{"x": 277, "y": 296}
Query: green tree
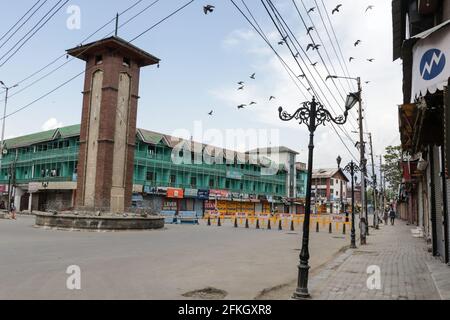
{"x": 392, "y": 168}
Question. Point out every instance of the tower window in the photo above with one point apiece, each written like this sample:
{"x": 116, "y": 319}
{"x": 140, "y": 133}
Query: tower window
{"x": 126, "y": 62}
{"x": 99, "y": 59}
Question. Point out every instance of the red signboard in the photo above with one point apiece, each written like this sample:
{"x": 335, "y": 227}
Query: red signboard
{"x": 175, "y": 193}
{"x": 218, "y": 194}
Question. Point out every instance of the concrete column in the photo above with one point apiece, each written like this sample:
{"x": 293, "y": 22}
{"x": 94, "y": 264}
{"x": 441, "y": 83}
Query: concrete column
{"x": 30, "y": 203}
{"x": 18, "y": 195}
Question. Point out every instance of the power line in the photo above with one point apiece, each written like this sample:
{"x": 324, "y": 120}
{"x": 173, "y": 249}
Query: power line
{"x": 335, "y": 37}
{"x": 79, "y": 74}
{"x": 291, "y": 74}
{"x": 20, "y": 27}
{"x": 277, "y": 14}
{"x": 32, "y": 35}
{"x": 73, "y": 58}
{"x": 87, "y": 38}
{"x": 310, "y": 61}
{"x": 308, "y": 80}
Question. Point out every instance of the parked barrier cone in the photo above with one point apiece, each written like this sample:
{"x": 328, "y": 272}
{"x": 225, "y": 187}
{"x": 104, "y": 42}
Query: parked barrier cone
{"x": 269, "y": 227}
{"x": 292, "y": 225}
{"x": 280, "y": 226}
{"x": 246, "y": 224}
{"x": 343, "y": 229}
{"x": 257, "y": 223}
{"x": 235, "y": 223}
{"x": 209, "y": 221}
{"x": 317, "y": 226}
{"x": 219, "y": 224}
{"x": 331, "y": 228}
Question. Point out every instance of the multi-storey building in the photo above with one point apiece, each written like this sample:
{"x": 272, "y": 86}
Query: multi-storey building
{"x": 421, "y": 34}
{"x": 41, "y": 171}
{"x": 329, "y": 189}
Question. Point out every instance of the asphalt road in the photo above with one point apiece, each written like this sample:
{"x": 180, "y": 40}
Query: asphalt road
{"x": 162, "y": 264}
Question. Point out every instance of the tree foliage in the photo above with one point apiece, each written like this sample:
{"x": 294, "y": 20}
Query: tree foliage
{"x": 392, "y": 167}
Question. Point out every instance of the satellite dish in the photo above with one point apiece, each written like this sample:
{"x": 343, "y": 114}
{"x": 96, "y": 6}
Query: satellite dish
{"x": 5, "y": 151}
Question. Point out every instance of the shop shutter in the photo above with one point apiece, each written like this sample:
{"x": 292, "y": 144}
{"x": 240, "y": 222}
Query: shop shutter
{"x": 438, "y": 203}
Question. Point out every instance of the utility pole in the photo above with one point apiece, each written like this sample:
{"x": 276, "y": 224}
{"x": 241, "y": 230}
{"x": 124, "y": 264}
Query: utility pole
{"x": 362, "y": 162}
{"x": 6, "y": 88}
{"x": 374, "y": 178}
{"x": 381, "y": 184}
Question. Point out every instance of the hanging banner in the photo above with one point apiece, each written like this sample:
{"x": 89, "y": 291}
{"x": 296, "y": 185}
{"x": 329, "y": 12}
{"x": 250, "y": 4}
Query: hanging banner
{"x": 431, "y": 63}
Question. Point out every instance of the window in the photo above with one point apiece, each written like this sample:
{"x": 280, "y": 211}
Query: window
{"x": 98, "y": 59}
{"x": 194, "y": 181}
{"x": 150, "y": 176}
{"x": 211, "y": 183}
{"x": 227, "y": 184}
{"x": 126, "y": 62}
{"x": 151, "y": 150}
{"x": 173, "y": 179}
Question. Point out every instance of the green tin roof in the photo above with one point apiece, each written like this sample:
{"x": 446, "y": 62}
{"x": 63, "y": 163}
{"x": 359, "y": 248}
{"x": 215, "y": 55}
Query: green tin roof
{"x": 150, "y": 137}
{"x": 29, "y": 139}
{"x": 70, "y": 131}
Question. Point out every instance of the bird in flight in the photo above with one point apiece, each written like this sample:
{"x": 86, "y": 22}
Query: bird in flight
{"x": 253, "y": 76}
{"x": 309, "y": 30}
{"x": 241, "y": 83}
{"x": 301, "y": 76}
{"x": 313, "y": 46}
{"x": 314, "y": 64}
{"x": 311, "y": 10}
{"x": 271, "y": 98}
{"x": 208, "y": 8}
{"x": 241, "y": 106}
{"x": 281, "y": 42}
{"x": 252, "y": 103}
{"x": 336, "y": 9}
{"x": 357, "y": 42}
{"x": 369, "y": 8}
{"x": 367, "y": 82}
{"x": 350, "y": 59}
{"x": 297, "y": 55}
{"x": 371, "y": 60}
{"x": 241, "y": 88}
{"x": 211, "y": 113}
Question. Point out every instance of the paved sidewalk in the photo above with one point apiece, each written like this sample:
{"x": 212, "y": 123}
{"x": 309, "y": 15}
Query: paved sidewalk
{"x": 404, "y": 265}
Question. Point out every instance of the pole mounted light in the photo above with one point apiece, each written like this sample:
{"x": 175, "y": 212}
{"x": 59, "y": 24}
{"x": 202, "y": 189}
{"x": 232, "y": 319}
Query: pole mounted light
{"x": 313, "y": 114}
{"x": 353, "y": 169}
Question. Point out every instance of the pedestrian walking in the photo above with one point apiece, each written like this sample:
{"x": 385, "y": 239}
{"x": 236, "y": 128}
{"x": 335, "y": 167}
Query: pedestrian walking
{"x": 13, "y": 211}
{"x": 392, "y": 215}
{"x": 386, "y": 216}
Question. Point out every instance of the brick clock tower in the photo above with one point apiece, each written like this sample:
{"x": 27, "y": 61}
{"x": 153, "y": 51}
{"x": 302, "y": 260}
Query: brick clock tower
{"x": 108, "y": 123}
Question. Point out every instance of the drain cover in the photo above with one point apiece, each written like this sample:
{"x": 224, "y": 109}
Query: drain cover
{"x": 206, "y": 294}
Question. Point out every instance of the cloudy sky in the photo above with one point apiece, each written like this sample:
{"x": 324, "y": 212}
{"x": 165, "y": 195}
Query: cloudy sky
{"x": 203, "y": 58}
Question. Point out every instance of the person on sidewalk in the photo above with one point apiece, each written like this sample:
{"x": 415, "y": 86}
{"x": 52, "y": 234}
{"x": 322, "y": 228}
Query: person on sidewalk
{"x": 13, "y": 211}
{"x": 392, "y": 215}
{"x": 386, "y": 216}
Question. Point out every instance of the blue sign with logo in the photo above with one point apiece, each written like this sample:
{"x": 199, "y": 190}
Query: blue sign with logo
{"x": 432, "y": 64}
{"x": 203, "y": 194}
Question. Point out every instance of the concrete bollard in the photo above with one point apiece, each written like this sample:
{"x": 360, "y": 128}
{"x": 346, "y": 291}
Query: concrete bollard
{"x": 280, "y": 226}
{"x": 317, "y": 226}
{"x": 269, "y": 227}
{"x": 343, "y": 229}
{"x": 219, "y": 223}
{"x": 292, "y": 226}
{"x": 235, "y": 222}
{"x": 209, "y": 221}
{"x": 330, "y": 228}
{"x": 246, "y": 224}
{"x": 257, "y": 224}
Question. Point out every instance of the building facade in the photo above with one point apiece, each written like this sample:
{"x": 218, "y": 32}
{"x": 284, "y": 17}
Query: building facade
{"x": 329, "y": 190}
{"x": 422, "y": 41}
{"x": 170, "y": 174}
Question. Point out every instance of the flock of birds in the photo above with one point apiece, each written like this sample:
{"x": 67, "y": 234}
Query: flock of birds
{"x": 311, "y": 46}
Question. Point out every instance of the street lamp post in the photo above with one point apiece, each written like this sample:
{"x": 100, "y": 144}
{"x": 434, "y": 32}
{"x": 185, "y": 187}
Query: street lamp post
{"x": 6, "y": 88}
{"x": 339, "y": 160}
{"x": 352, "y": 168}
{"x": 312, "y": 114}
